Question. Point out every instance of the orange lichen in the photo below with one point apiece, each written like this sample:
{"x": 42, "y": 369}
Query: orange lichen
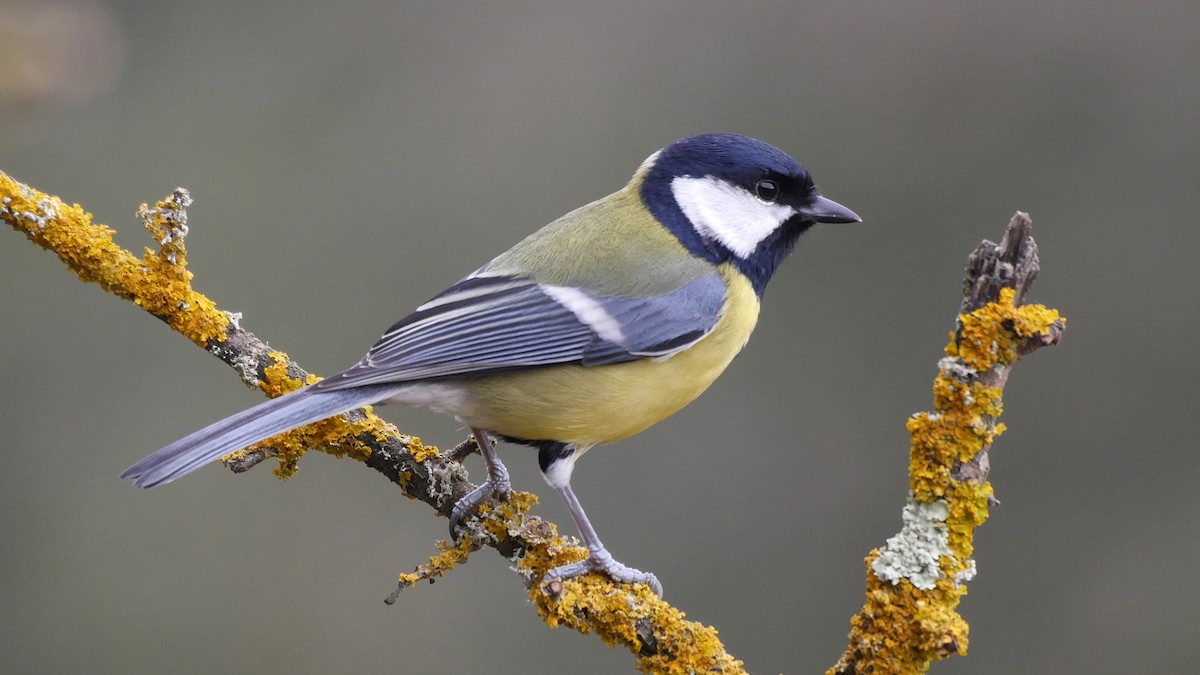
{"x": 991, "y": 335}
{"x": 618, "y": 614}
{"x": 336, "y": 436}
{"x": 488, "y": 523}
{"x": 448, "y": 556}
{"x": 157, "y": 282}
{"x": 421, "y": 452}
{"x": 622, "y": 614}
{"x": 902, "y": 628}
{"x": 160, "y": 283}
{"x": 963, "y": 424}
{"x": 500, "y": 520}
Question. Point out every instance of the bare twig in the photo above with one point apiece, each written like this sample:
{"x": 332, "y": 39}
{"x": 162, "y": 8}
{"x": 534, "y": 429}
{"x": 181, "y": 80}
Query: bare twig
{"x": 463, "y": 450}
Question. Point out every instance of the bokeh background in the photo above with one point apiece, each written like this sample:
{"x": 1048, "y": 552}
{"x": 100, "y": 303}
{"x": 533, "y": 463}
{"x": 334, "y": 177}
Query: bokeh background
{"x": 351, "y": 159}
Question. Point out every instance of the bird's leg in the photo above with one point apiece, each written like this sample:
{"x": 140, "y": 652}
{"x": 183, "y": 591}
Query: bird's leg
{"x": 599, "y": 559}
{"x": 497, "y": 482}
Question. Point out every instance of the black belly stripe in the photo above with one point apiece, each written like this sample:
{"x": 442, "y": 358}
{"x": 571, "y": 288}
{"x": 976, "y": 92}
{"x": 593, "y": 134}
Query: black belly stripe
{"x": 549, "y": 452}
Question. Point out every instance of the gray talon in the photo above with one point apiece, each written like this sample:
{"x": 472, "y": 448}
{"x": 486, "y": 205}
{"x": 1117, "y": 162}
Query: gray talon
{"x": 497, "y": 483}
{"x": 474, "y": 498}
{"x": 463, "y": 506}
{"x": 601, "y": 561}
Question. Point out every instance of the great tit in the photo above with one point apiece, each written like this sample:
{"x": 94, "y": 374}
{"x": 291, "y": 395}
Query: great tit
{"x": 593, "y": 328}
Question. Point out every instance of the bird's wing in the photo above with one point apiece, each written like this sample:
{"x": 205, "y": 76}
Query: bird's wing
{"x": 492, "y": 322}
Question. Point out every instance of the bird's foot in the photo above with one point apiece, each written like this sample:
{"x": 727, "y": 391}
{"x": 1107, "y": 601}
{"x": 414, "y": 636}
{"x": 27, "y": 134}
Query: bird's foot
{"x": 497, "y": 485}
{"x": 600, "y": 560}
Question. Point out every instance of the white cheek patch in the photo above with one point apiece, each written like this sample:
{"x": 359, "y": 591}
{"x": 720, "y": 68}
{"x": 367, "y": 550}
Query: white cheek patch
{"x": 727, "y": 213}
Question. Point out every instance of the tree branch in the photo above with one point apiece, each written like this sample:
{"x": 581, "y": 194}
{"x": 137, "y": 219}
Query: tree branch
{"x": 915, "y": 582}
{"x": 159, "y": 283}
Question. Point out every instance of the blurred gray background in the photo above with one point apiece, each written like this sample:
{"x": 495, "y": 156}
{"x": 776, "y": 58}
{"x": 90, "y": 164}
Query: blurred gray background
{"x": 351, "y": 159}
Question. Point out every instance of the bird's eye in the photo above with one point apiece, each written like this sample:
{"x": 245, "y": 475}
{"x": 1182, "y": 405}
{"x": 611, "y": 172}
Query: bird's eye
{"x": 767, "y": 190}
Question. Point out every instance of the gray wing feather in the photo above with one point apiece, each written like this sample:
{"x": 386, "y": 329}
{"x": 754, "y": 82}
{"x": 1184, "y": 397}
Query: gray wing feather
{"x": 492, "y": 323}
{"x": 661, "y": 325}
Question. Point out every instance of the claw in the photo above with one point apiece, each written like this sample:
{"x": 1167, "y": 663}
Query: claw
{"x": 475, "y": 497}
{"x": 600, "y": 560}
{"x": 497, "y": 483}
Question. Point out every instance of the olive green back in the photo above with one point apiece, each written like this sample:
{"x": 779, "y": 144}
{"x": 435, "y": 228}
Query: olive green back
{"x": 613, "y": 246}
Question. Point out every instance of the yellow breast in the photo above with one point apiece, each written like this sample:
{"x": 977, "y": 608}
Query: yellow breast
{"x": 594, "y": 405}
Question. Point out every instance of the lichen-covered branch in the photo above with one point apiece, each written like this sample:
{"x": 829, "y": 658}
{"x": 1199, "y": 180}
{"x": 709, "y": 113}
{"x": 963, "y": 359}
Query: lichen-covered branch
{"x": 914, "y": 583}
{"x": 159, "y": 282}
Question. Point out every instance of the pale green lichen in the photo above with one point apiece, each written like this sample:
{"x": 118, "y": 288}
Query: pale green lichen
{"x": 914, "y": 553}
{"x": 442, "y": 476}
{"x": 967, "y": 573}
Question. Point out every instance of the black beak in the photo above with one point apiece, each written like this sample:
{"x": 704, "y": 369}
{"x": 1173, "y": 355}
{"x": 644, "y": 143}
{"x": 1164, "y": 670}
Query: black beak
{"x": 822, "y": 210}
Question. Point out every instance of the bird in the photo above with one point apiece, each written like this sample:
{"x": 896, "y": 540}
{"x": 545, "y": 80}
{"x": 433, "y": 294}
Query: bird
{"x": 604, "y": 322}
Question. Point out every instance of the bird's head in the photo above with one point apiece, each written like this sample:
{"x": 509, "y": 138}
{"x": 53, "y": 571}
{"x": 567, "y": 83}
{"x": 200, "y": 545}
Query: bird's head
{"x": 729, "y": 198}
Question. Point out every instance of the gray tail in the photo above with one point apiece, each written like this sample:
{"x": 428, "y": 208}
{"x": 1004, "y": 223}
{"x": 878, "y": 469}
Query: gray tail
{"x": 247, "y": 427}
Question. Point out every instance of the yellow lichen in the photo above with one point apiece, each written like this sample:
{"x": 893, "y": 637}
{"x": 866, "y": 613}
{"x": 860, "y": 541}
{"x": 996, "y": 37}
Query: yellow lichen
{"x": 499, "y": 524}
{"x": 160, "y": 283}
{"x": 157, "y": 282}
{"x": 962, "y": 425}
{"x": 421, "y": 452}
{"x": 448, "y": 556}
{"x": 501, "y": 521}
{"x": 336, "y": 436}
{"x": 991, "y": 334}
{"x": 616, "y": 613}
{"x": 902, "y": 629}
